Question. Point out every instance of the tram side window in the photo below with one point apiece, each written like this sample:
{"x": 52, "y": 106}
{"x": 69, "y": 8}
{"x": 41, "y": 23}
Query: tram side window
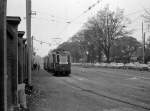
{"x": 54, "y": 59}
{"x": 58, "y": 59}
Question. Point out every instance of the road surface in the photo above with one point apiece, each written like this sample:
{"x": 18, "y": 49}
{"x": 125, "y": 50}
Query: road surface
{"x": 91, "y": 89}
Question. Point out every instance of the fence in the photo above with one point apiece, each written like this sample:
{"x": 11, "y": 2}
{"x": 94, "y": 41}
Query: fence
{"x": 16, "y": 63}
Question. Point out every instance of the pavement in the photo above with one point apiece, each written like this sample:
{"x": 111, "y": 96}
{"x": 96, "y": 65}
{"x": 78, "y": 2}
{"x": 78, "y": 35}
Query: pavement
{"x": 91, "y": 89}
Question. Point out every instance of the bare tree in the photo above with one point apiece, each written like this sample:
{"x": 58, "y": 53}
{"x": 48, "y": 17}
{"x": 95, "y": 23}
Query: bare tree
{"x": 98, "y": 35}
{"x": 108, "y": 25}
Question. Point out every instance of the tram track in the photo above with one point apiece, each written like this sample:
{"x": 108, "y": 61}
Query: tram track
{"x": 109, "y": 96}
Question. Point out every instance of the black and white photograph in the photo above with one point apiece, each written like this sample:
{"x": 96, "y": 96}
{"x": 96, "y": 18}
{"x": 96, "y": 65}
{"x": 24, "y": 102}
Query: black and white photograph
{"x": 75, "y": 55}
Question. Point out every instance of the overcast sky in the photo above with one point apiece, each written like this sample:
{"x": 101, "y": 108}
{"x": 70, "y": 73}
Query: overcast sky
{"x": 53, "y": 15}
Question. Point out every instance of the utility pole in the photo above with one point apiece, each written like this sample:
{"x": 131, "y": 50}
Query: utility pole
{"x": 3, "y": 56}
{"x": 28, "y": 30}
{"x": 32, "y": 50}
{"x": 143, "y": 40}
{"x": 107, "y": 36}
{"x": 144, "y": 47}
{"x": 32, "y": 46}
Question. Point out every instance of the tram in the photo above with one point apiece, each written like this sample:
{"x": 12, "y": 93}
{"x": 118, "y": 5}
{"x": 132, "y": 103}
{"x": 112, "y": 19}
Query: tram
{"x": 58, "y": 62}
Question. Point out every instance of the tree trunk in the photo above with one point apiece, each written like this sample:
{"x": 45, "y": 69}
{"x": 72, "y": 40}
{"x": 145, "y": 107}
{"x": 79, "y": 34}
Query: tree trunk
{"x": 108, "y": 55}
{"x": 99, "y": 57}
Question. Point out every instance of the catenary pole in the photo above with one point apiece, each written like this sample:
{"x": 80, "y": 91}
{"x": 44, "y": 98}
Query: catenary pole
{"x": 32, "y": 50}
{"x": 143, "y": 40}
{"x": 3, "y": 56}
{"x": 28, "y": 33}
{"x": 144, "y": 47}
{"x": 32, "y": 46}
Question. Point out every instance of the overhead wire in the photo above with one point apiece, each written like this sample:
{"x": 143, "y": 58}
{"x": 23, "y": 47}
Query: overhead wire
{"x": 77, "y": 17}
{"x": 42, "y": 42}
{"x": 89, "y": 8}
{"x": 53, "y": 16}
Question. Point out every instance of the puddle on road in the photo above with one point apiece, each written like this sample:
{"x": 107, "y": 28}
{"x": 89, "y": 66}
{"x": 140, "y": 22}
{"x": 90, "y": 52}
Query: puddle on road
{"x": 79, "y": 78}
{"x": 138, "y": 78}
{"x": 133, "y": 78}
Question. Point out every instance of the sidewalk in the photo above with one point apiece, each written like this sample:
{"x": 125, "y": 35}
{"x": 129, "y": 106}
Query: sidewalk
{"x": 37, "y": 101}
{"x": 50, "y": 94}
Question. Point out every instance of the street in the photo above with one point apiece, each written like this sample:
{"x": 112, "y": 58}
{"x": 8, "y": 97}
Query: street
{"x": 91, "y": 89}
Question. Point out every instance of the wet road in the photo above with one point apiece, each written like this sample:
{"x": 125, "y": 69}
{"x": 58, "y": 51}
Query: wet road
{"x": 91, "y": 89}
